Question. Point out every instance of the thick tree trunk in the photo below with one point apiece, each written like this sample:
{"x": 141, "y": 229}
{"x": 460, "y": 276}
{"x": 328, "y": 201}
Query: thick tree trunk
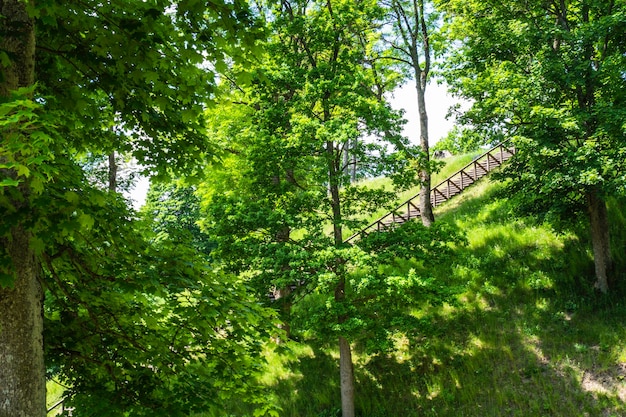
{"x": 18, "y": 41}
{"x": 22, "y": 371}
{"x": 600, "y": 239}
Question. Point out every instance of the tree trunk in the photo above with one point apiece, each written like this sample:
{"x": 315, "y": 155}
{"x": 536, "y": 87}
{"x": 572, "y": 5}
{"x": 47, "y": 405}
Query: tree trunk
{"x": 600, "y": 239}
{"x": 282, "y": 297}
{"x": 347, "y": 378}
{"x": 420, "y": 31}
{"x": 18, "y": 41}
{"x": 333, "y": 190}
{"x": 112, "y": 172}
{"x": 346, "y": 371}
{"x": 425, "y": 205}
{"x": 22, "y": 370}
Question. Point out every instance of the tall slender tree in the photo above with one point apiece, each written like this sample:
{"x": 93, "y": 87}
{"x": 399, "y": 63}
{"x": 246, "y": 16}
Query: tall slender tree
{"x": 285, "y": 198}
{"x": 412, "y": 25}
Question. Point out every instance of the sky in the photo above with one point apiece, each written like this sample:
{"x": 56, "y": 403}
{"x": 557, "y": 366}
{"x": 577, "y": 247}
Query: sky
{"x": 438, "y": 101}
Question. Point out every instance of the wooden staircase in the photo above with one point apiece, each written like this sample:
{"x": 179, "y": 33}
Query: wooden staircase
{"x": 442, "y": 192}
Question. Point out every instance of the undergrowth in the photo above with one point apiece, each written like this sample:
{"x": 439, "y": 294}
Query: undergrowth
{"x": 527, "y": 337}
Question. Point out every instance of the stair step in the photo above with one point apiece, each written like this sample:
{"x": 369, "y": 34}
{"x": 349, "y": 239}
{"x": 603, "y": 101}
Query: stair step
{"x": 449, "y": 188}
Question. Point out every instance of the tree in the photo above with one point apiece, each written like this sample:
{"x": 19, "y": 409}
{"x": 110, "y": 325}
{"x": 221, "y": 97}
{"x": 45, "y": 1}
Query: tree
{"x": 136, "y": 321}
{"x": 460, "y": 140}
{"x": 550, "y": 76}
{"x": 21, "y": 326}
{"x": 413, "y": 23}
{"x": 279, "y": 206}
{"x": 140, "y": 65}
{"x": 175, "y": 210}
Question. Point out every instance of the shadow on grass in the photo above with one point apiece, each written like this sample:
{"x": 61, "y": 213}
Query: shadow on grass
{"x": 535, "y": 339}
{"x": 484, "y": 359}
{"x": 501, "y": 360}
{"x": 527, "y": 338}
{"x": 313, "y": 388}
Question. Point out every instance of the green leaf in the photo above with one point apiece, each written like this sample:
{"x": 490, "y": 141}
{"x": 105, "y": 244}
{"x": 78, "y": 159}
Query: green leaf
{"x": 72, "y": 197}
{"x": 189, "y": 115}
{"x": 9, "y": 182}
{"x": 86, "y": 221}
{"x": 23, "y": 171}
{"x": 4, "y": 59}
{"x": 37, "y": 184}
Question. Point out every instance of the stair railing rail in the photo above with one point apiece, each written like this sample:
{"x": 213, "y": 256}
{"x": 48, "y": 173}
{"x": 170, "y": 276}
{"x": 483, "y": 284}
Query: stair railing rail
{"x": 443, "y": 191}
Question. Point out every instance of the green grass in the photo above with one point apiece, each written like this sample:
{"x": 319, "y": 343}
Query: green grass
{"x": 527, "y": 337}
{"x": 451, "y": 166}
{"x": 54, "y": 393}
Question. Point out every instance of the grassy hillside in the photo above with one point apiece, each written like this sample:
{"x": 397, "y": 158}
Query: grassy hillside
{"x": 527, "y": 337}
{"x": 451, "y": 166}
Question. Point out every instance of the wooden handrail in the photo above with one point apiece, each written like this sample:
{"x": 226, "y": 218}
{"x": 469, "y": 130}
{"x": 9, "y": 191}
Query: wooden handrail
{"x": 488, "y": 157}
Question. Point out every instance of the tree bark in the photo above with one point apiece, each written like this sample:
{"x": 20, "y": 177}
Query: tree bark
{"x": 112, "y": 172}
{"x": 346, "y": 373}
{"x": 18, "y": 41}
{"x": 425, "y": 205}
{"x": 600, "y": 239}
{"x": 346, "y": 370}
{"x": 418, "y": 40}
{"x": 333, "y": 190}
{"x": 22, "y": 370}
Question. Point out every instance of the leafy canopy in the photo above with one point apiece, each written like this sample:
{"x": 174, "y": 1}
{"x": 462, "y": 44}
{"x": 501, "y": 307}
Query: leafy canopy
{"x": 550, "y": 76}
{"x": 133, "y": 323}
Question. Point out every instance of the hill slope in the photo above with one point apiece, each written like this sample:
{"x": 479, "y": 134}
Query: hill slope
{"x": 526, "y": 337}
